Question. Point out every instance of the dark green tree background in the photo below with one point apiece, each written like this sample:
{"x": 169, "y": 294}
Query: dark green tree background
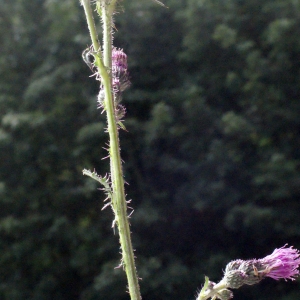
{"x": 211, "y": 152}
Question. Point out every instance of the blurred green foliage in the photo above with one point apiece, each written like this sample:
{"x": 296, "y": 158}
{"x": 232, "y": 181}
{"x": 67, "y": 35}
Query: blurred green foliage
{"x": 211, "y": 153}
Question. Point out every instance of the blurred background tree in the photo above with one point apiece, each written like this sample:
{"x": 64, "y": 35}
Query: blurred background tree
{"x": 211, "y": 153}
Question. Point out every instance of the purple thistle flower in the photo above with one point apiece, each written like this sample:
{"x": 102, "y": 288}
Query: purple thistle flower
{"x": 120, "y": 80}
{"x": 282, "y": 263}
{"x": 119, "y": 59}
{"x": 119, "y": 70}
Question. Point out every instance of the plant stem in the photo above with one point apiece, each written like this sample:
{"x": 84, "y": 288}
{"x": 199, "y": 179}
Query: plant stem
{"x": 211, "y": 292}
{"x": 91, "y": 24}
{"x": 118, "y": 193}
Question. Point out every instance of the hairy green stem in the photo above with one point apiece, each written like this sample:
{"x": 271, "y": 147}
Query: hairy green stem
{"x": 212, "y": 292}
{"x": 118, "y": 193}
{"x": 91, "y": 24}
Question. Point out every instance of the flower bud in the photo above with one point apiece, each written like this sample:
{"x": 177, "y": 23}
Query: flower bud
{"x": 234, "y": 279}
{"x": 225, "y": 294}
{"x": 119, "y": 70}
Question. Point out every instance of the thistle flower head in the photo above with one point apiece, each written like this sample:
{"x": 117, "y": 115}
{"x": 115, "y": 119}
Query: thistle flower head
{"x": 119, "y": 59}
{"x": 119, "y": 70}
{"x": 240, "y": 272}
{"x": 282, "y": 263}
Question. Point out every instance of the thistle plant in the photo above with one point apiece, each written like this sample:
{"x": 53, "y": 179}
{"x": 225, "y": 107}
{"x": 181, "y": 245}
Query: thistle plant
{"x": 109, "y": 66}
